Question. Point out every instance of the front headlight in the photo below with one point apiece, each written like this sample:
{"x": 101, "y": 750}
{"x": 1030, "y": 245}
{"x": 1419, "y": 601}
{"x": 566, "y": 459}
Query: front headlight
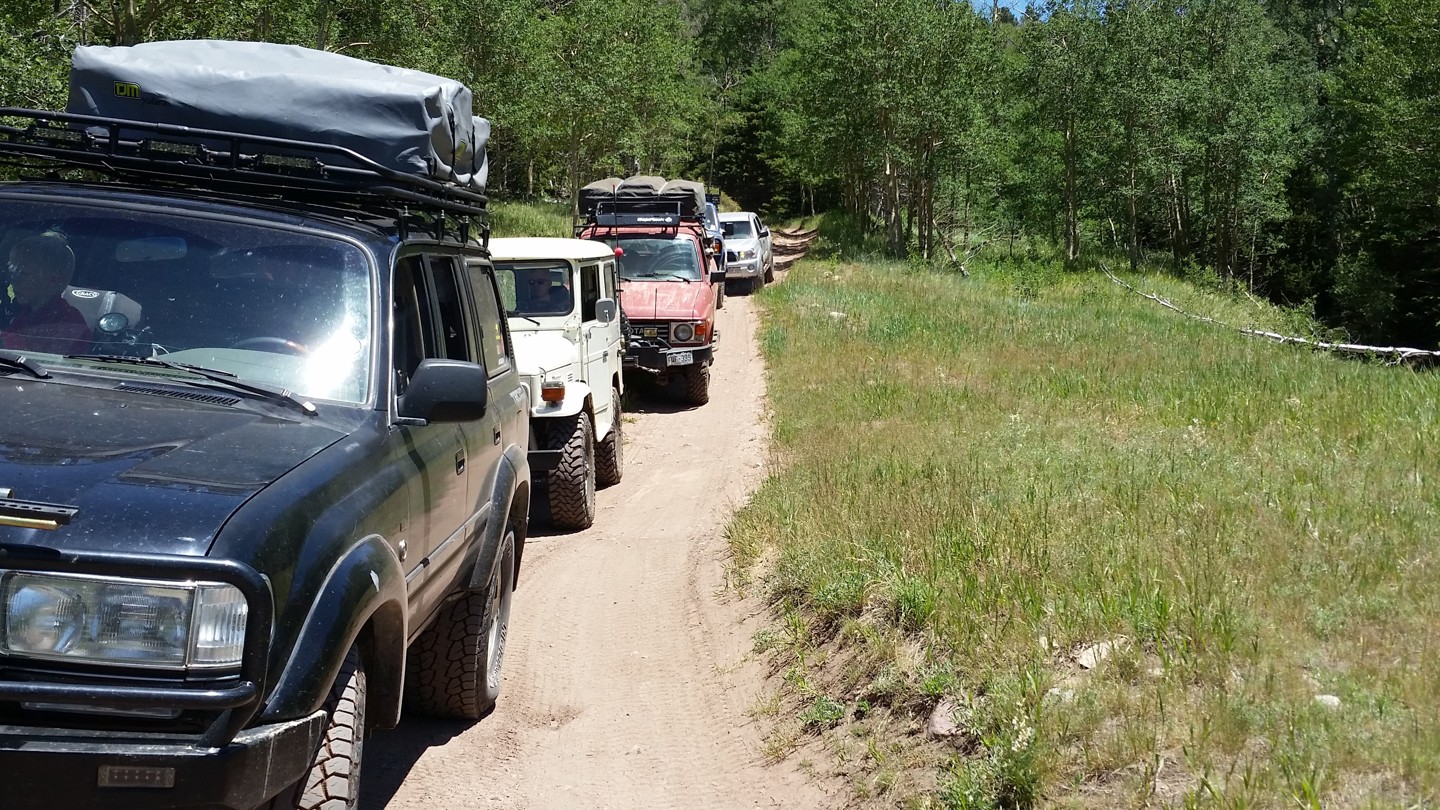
{"x": 745, "y": 254}
{"x": 171, "y": 625}
{"x": 684, "y": 332}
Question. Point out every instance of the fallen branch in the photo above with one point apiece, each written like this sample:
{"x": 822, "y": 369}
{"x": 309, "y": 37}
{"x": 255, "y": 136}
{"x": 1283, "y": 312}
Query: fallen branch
{"x": 1399, "y": 354}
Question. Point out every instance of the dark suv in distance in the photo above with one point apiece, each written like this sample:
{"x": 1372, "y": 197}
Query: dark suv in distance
{"x": 263, "y": 471}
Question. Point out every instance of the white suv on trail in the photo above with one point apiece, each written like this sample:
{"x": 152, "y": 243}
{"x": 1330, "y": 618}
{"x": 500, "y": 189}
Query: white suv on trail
{"x": 560, "y": 296}
{"x": 748, "y": 253}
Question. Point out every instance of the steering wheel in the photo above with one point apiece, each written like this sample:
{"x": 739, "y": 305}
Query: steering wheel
{"x": 266, "y": 343}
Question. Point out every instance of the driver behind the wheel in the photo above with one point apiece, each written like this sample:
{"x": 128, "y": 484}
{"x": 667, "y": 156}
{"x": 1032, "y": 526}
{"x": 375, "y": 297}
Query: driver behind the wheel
{"x": 37, "y": 318}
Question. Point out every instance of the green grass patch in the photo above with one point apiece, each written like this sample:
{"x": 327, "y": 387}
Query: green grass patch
{"x": 1010, "y": 468}
{"x": 530, "y": 219}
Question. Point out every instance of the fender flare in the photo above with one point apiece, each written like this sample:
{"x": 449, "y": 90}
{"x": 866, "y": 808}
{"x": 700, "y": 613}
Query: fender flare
{"x": 577, "y": 394}
{"x": 366, "y": 585}
{"x": 511, "y": 479}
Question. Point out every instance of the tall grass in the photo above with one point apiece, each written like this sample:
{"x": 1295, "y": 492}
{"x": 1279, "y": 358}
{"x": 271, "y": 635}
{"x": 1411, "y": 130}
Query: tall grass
{"x": 530, "y": 219}
{"x": 1007, "y": 469}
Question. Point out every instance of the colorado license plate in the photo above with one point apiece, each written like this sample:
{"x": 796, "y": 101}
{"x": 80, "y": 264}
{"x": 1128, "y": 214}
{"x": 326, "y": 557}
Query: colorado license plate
{"x": 680, "y": 359}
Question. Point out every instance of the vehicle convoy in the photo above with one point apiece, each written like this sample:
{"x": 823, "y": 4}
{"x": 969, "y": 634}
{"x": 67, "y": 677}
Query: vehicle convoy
{"x": 268, "y": 482}
{"x": 669, "y": 286}
{"x": 560, "y": 295}
{"x": 748, "y": 249}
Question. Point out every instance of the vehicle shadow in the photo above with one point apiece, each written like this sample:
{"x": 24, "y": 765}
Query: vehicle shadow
{"x": 643, "y": 395}
{"x": 391, "y": 755}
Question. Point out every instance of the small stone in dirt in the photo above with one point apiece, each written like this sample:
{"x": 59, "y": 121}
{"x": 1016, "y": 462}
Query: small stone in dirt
{"x": 1328, "y": 701}
{"x": 1091, "y": 656}
{"x": 943, "y": 725}
{"x": 635, "y": 750}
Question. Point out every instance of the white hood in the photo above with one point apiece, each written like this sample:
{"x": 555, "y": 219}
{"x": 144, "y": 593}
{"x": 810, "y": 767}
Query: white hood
{"x": 538, "y": 353}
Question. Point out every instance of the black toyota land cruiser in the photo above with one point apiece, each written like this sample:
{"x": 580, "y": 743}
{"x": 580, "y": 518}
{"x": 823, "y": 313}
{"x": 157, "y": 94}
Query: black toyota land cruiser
{"x": 261, "y": 434}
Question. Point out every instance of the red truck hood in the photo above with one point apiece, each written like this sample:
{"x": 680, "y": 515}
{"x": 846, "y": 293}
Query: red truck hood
{"x": 666, "y": 300}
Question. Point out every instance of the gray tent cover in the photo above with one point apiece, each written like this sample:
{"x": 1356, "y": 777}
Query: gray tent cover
{"x": 689, "y": 194}
{"x": 406, "y": 120}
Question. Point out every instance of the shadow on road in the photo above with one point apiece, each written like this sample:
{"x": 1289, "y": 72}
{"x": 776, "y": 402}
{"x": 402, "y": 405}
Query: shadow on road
{"x": 390, "y": 755}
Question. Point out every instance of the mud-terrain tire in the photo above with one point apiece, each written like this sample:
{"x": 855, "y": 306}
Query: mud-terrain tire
{"x": 757, "y": 283}
{"x": 453, "y": 669}
{"x": 720, "y": 296}
{"x": 333, "y": 782}
{"x": 610, "y": 451}
{"x": 697, "y": 384}
{"x": 571, "y": 485}
{"x": 770, "y": 273}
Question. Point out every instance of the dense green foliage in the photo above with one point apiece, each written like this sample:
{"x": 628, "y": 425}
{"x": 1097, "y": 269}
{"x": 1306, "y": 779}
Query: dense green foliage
{"x": 1290, "y": 146}
{"x": 1033, "y": 462}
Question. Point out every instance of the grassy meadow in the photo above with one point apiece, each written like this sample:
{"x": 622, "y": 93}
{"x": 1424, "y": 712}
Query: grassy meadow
{"x": 978, "y": 480}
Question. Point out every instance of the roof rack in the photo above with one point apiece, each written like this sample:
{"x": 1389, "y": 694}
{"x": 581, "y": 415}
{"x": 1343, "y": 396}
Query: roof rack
{"x": 230, "y": 162}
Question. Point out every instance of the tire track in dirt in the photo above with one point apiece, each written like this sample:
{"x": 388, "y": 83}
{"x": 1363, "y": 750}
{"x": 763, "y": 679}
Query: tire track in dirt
{"x": 629, "y": 675}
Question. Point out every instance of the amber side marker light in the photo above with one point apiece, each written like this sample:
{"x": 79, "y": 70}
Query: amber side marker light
{"x": 552, "y": 392}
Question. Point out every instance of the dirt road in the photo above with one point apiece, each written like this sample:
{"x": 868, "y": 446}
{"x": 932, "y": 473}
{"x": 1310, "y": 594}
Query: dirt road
{"x": 629, "y": 677}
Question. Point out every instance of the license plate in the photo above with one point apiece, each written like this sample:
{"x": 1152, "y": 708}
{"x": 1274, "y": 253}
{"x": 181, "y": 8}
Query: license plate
{"x": 680, "y": 359}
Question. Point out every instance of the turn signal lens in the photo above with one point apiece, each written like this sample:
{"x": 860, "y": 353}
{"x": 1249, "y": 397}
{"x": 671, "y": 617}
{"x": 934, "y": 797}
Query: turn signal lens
{"x": 552, "y": 392}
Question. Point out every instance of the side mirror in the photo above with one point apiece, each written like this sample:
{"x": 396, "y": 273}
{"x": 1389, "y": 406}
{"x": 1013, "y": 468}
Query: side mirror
{"x": 446, "y": 391}
{"x": 717, "y": 276}
{"x": 605, "y": 311}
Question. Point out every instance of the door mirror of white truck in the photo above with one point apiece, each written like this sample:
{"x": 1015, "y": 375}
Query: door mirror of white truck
{"x": 605, "y": 310}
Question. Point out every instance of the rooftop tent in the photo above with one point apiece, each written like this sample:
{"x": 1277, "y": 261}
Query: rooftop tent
{"x": 593, "y": 193}
{"x": 640, "y": 185}
{"x": 652, "y": 193}
{"x": 405, "y": 120}
{"x": 692, "y": 192}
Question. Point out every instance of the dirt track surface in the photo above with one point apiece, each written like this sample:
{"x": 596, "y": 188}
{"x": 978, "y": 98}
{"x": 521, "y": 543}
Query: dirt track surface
{"x": 629, "y": 674}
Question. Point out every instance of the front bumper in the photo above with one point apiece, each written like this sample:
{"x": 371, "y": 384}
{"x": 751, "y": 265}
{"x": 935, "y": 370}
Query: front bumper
{"x": 742, "y": 268}
{"x": 55, "y": 768}
{"x": 660, "y": 358}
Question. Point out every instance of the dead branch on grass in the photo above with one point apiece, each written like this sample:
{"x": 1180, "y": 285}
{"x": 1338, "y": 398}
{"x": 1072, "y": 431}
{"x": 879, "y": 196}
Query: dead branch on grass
{"x": 1398, "y": 354}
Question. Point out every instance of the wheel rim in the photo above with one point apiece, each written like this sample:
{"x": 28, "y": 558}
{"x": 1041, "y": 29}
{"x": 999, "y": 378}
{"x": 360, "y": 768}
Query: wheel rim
{"x": 590, "y": 472}
{"x": 500, "y": 595}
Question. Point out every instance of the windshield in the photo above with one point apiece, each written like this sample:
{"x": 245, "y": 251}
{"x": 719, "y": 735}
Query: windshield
{"x": 652, "y": 258}
{"x": 737, "y": 229}
{"x": 535, "y": 288}
{"x": 267, "y": 305}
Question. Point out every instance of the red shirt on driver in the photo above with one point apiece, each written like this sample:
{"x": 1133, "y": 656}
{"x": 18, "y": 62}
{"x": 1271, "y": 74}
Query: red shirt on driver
{"x": 56, "y": 327}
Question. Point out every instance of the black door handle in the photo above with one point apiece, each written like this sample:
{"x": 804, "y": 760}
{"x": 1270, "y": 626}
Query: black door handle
{"x": 459, "y": 461}
{"x": 496, "y": 434}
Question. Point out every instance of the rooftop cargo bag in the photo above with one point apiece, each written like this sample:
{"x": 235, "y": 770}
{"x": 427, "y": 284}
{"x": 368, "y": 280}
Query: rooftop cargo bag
{"x": 405, "y": 120}
{"x": 591, "y": 194}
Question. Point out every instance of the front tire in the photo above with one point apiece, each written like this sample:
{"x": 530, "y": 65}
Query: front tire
{"x": 572, "y": 484}
{"x": 697, "y": 384}
{"x": 609, "y": 453}
{"x": 453, "y": 669}
{"x": 333, "y": 782}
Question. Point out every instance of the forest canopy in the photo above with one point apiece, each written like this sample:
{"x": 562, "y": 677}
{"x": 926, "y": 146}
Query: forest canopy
{"x": 1290, "y": 147}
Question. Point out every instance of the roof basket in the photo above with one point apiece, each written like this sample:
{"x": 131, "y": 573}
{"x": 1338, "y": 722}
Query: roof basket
{"x": 255, "y": 166}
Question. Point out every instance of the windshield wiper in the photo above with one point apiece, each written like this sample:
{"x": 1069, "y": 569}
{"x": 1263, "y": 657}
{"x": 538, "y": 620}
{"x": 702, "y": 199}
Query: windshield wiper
{"x": 20, "y": 361}
{"x": 685, "y": 279}
{"x": 282, "y": 395}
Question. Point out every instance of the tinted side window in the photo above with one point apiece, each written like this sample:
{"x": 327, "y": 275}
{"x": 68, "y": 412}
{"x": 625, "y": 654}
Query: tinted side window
{"x": 589, "y": 291}
{"x": 450, "y": 310}
{"x": 491, "y": 325}
{"x": 412, "y": 325}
